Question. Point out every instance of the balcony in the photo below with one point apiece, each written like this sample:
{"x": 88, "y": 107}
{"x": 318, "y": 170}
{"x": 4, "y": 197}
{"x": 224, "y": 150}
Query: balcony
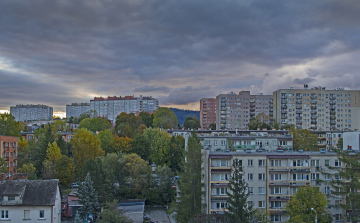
{"x": 284, "y": 106}
{"x": 313, "y": 127}
{"x": 283, "y": 116}
{"x": 332, "y": 112}
{"x": 223, "y": 108}
{"x": 284, "y": 121}
{"x": 298, "y": 97}
{"x": 283, "y": 101}
{"x": 332, "y": 107}
{"x": 223, "y": 104}
{"x": 298, "y": 122}
{"x": 332, "y": 97}
{"x": 332, "y": 102}
{"x": 223, "y": 122}
{"x": 313, "y": 107}
{"x": 298, "y": 106}
{"x": 283, "y": 111}
{"x": 332, "y": 117}
{"x": 271, "y": 101}
{"x": 313, "y": 116}
{"x": 271, "y": 113}
{"x": 313, "y": 122}
{"x": 298, "y": 111}
{"x": 313, "y": 97}
{"x": 271, "y": 109}
{"x": 313, "y": 102}
{"x": 283, "y": 96}
{"x": 313, "y": 112}
{"x": 332, "y": 122}
{"x": 252, "y": 105}
{"x": 252, "y": 109}
{"x": 298, "y": 102}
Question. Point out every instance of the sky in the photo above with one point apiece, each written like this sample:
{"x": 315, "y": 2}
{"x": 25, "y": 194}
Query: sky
{"x": 63, "y": 51}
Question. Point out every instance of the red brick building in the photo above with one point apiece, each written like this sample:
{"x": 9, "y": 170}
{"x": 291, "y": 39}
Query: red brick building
{"x": 207, "y": 112}
{"x": 8, "y": 149}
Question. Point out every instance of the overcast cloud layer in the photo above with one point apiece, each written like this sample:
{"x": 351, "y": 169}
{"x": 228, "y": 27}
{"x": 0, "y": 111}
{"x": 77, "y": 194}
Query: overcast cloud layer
{"x": 62, "y": 51}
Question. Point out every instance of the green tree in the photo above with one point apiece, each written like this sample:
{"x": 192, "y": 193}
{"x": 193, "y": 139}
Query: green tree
{"x": 299, "y": 207}
{"x": 26, "y": 168}
{"x": 112, "y": 215}
{"x": 121, "y": 144}
{"x": 189, "y": 202}
{"x": 176, "y": 154}
{"x": 165, "y": 118}
{"x": 164, "y": 189}
{"x": 60, "y": 142}
{"x": 146, "y": 118}
{"x": 8, "y": 125}
{"x": 191, "y": 123}
{"x": 141, "y": 146}
{"x": 3, "y": 165}
{"x": 105, "y": 138}
{"x": 88, "y": 198}
{"x": 65, "y": 170}
{"x": 159, "y": 145}
{"x": 238, "y": 211}
{"x": 212, "y": 126}
{"x": 95, "y": 124}
{"x": 260, "y": 121}
{"x": 127, "y": 124}
{"x": 85, "y": 146}
{"x": 339, "y": 144}
{"x": 346, "y": 182}
{"x": 53, "y": 155}
{"x": 304, "y": 139}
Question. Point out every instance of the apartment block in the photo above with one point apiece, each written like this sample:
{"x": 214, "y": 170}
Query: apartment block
{"x": 234, "y": 111}
{"x": 273, "y": 178}
{"x": 207, "y": 112}
{"x": 76, "y": 109}
{"x": 8, "y": 150}
{"x": 318, "y": 108}
{"x": 25, "y": 113}
{"x": 111, "y": 107}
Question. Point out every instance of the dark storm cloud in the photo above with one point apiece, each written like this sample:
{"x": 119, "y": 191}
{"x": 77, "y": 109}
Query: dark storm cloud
{"x": 83, "y": 48}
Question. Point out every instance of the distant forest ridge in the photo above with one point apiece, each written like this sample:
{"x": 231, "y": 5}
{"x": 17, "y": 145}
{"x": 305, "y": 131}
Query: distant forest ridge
{"x": 181, "y": 114}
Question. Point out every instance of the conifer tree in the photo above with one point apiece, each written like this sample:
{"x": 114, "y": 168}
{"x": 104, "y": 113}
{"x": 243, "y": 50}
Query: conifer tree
{"x": 88, "y": 198}
{"x": 189, "y": 202}
{"x": 238, "y": 211}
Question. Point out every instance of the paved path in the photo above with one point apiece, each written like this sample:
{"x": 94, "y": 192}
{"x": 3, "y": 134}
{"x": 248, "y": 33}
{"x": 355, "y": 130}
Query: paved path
{"x": 157, "y": 214}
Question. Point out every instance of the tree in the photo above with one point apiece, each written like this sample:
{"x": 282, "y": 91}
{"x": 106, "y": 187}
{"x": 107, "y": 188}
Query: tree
{"x": 141, "y": 146}
{"x": 212, "y": 126}
{"x": 304, "y": 140}
{"x": 176, "y": 154}
{"x": 191, "y": 123}
{"x": 65, "y": 170}
{"x": 95, "y": 124}
{"x": 26, "y": 168}
{"x": 88, "y": 198}
{"x": 85, "y": 146}
{"x": 53, "y": 155}
{"x": 146, "y": 118}
{"x": 120, "y": 144}
{"x": 60, "y": 142}
{"x": 260, "y": 121}
{"x": 238, "y": 211}
{"x": 112, "y": 215}
{"x": 126, "y": 124}
{"x": 105, "y": 138}
{"x": 299, "y": 207}
{"x": 346, "y": 182}
{"x": 164, "y": 189}
{"x": 189, "y": 202}
{"x": 159, "y": 145}
{"x": 339, "y": 144}
{"x": 3, "y": 165}
{"x": 8, "y": 125}
{"x": 165, "y": 118}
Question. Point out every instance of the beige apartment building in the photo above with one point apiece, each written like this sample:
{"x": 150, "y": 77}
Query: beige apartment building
{"x": 318, "y": 108}
{"x": 207, "y": 112}
{"x": 273, "y": 177}
{"x": 234, "y": 111}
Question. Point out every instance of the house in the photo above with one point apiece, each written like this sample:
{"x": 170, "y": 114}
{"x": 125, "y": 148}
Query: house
{"x": 30, "y": 201}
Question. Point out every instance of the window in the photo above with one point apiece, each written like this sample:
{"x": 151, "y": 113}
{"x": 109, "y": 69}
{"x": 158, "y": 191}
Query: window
{"x": 250, "y": 176}
{"x": 250, "y": 204}
{"x": 315, "y": 176}
{"x": 223, "y": 142}
{"x": 262, "y": 163}
{"x": 315, "y": 163}
{"x": 261, "y": 190}
{"x": 261, "y": 176}
{"x": 251, "y": 190}
{"x": 26, "y": 214}
{"x": 11, "y": 198}
{"x": 237, "y": 162}
{"x": 275, "y": 176}
{"x": 250, "y": 163}
{"x": 275, "y": 217}
{"x": 275, "y": 204}
{"x": 275, "y": 190}
{"x": 261, "y": 204}
{"x": 327, "y": 162}
{"x": 327, "y": 190}
{"x": 223, "y": 162}
{"x": 220, "y": 205}
{"x": 215, "y": 142}
{"x": 221, "y": 191}
{"x": 337, "y": 163}
{"x": 4, "y": 214}
{"x": 274, "y": 163}
{"x": 327, "y": 176}
{"x": 338, "y": 217}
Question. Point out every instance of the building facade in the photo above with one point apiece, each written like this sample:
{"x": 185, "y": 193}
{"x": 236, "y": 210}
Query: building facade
{"x": 207, "y": 112}
{"x": 76, "y": 109}
{"x": 318, "y": 108}
{"x": 25, "y": 113}
{"x": 8, "y": 150}
{"x": 111, "y": 107}
{"x": 273, "y": 178}
{"x": 234, "y": 111}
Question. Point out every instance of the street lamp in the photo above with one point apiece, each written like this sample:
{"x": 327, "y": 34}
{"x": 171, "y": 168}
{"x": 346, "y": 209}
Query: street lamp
{"x": 315, "y": 214}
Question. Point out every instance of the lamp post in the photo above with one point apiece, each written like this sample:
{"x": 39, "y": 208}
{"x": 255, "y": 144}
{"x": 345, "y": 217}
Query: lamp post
{"x": 315, "y": 214}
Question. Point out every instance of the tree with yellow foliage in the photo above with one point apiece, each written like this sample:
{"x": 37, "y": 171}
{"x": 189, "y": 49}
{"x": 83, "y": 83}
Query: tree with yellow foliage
{"x": 121, "y": 144}
{"x": 53, "y": 155}
{"x": 85, "y": 146}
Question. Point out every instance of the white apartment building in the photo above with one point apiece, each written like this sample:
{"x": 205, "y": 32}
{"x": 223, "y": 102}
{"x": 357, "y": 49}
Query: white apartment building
{"x": 234, "y": 111}
{"x": 25, "y": 113}
{"x": 76, "y": 109}
{"x": 318, "y": 108}
{"x": 272, "y": 177}
{"x": 111, "y": 107}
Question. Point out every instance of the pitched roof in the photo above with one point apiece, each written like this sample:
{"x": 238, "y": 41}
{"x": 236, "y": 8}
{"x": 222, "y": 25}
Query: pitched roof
{"x": 32, "y": 192}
